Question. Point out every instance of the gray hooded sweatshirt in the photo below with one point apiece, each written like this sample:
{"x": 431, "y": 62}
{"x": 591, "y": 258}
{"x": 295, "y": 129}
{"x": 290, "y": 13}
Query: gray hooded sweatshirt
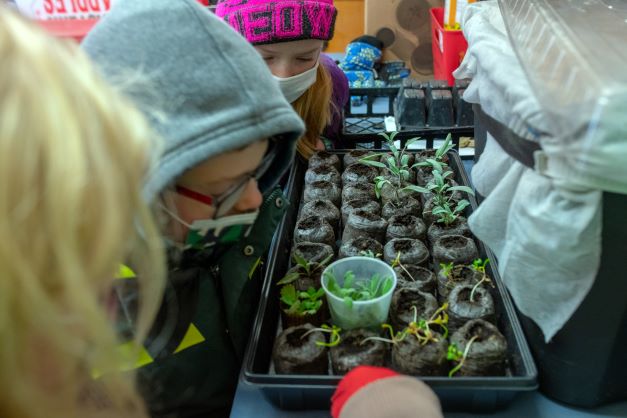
{"x": 205, "y": 89}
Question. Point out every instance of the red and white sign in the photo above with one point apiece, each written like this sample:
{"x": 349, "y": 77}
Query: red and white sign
{"x": 64, "y": 9}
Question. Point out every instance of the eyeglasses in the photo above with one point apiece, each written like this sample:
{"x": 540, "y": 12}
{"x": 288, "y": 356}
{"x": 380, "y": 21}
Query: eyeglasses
{"x": 224, "y": 202}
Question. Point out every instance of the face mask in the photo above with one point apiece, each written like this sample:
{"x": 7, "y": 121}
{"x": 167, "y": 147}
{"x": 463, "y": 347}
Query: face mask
{"x": 296, "y": 86}
{"x": 208, "y": 234}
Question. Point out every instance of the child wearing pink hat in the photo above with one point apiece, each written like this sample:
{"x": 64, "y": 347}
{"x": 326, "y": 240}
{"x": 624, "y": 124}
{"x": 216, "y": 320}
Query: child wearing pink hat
{"x": 289, "y": 35}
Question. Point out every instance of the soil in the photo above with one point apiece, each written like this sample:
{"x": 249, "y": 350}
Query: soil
{"x": 487, "y": 355}
{"x": 401, "y": 311}
{"x": 354, "y": 156}
{"x": 364, "y": 224}
{"x": 412, "y": 358}
{"x": 404, "y": 206}
{"x": 358, "y": 191}
{"x": 323, "y": 173}
{"x": 322, "y": 158}
{"x": 322, "y": 190}
{"x": 293, "y": 354}
{"x": 353, "y": 205}
{"x": 359, "y": 173}
{"x": 350, "y": 353}
{"x": 313, "y": 251}
{"x": 456, "y": 249}
{"x": 419, "y": 277}
{"x": 462, "y": 310}
{"x": 323, "y": 208}
{"x": 406, "y": 226}
{"x": 458, "y": 227}
{"x": 460, "y": 275}
{"x": 412, "y": 251}
{"x": 314, "y": 229}
{"x": 357, "y": 247}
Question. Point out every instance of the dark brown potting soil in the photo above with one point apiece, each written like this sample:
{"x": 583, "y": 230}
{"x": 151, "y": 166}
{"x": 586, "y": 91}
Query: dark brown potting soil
{"x": 322, "y": 158}
{"x": 416, "y": 276}
{"x": 314, "y": 229}
{"x": 313, "y": 251}
{"x": 456, "y": 249}
{"x": 487, "y": 355}
{"x": 364, "y": 224}
{"x": 412, "y": 251}
{"x": 323, "y": 208}
{"x": 351, "y": 353}
{"x": 462, "y": 310}
{"x": 406, "y": 205}
{"x": 293, "y": 354}
{"x": 322, "y": 190}
{"x": 459, "y": 275}
{"x": 359, "y": 247}
{"x": 403, "y": 301}
{"x": 412, "y": 358}
{"x": 405, "y": 226}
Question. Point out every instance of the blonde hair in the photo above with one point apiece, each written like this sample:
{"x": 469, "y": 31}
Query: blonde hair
{"x": 314, "y": 107}
{"x": 73, "y": 156}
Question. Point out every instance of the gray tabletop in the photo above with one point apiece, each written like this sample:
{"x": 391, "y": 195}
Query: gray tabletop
{"x": 250, "y": 403}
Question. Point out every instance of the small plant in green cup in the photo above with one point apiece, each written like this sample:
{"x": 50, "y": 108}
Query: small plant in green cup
{"x": 351, "y": 292}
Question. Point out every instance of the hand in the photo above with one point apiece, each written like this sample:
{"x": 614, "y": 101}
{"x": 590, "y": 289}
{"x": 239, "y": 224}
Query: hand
{"x": 354, "y": 380}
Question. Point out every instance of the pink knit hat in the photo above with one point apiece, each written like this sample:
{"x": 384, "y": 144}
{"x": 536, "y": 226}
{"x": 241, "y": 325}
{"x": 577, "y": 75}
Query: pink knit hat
{"x": 272, "y": 21}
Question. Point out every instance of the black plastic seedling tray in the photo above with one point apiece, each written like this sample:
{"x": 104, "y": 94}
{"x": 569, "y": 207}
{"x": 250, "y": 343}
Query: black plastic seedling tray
{"x": 471, "y": 394}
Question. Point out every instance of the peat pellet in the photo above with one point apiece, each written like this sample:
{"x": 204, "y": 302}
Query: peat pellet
{"x": 296, "y": 352}
{"x": 412, "y": 251}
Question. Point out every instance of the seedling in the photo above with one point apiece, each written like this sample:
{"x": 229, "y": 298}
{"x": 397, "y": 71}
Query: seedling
{"x": 308, "y": 267}
{"x": 397, "y": 165}
{"x": 397, "y": 262}
{"x": 479, "y": 265}
{"x": 447, "y": 214}
{"x": 301, "y": 303}
{"x": 421, "y": 329}
{"x": 370, "y": 254}
{"x": 442, "y": 190}
{"x": 334, "y": 339}
{"x": 455, "y": 354}
{"x": 365, "y": 290}
{"x": 447, "y": 269}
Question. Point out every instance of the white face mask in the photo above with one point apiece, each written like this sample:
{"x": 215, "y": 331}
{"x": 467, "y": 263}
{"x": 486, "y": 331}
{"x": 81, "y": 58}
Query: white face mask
{"x": 295, "y": 86}
{"x": 206, "y": 234}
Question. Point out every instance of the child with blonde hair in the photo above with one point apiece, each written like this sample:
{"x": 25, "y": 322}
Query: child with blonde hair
{"x": 73, "y": 158}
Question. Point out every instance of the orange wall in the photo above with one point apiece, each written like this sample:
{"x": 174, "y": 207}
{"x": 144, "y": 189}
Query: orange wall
{"x": 349, "y": 24}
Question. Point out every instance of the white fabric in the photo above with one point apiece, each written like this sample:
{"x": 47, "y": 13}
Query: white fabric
{"x": 295, "y": 86}
{"x": 543, "y": 225}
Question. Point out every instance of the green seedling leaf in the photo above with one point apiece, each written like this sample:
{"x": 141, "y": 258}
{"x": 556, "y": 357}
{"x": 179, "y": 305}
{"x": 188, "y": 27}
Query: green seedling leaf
{"x": 289, "y": 278}
{"x": 411, "y": 142}
{"x": 445, "y": 147}
{"x": 464, "y": 189}
{"x": 373, "y": 163}
{"x": 288, "y": 295}
{"x": 417, "y": 189}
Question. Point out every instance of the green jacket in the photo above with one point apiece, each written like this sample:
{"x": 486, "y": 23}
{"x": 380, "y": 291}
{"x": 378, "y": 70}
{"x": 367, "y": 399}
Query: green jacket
{"x": 221, "y": 301}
